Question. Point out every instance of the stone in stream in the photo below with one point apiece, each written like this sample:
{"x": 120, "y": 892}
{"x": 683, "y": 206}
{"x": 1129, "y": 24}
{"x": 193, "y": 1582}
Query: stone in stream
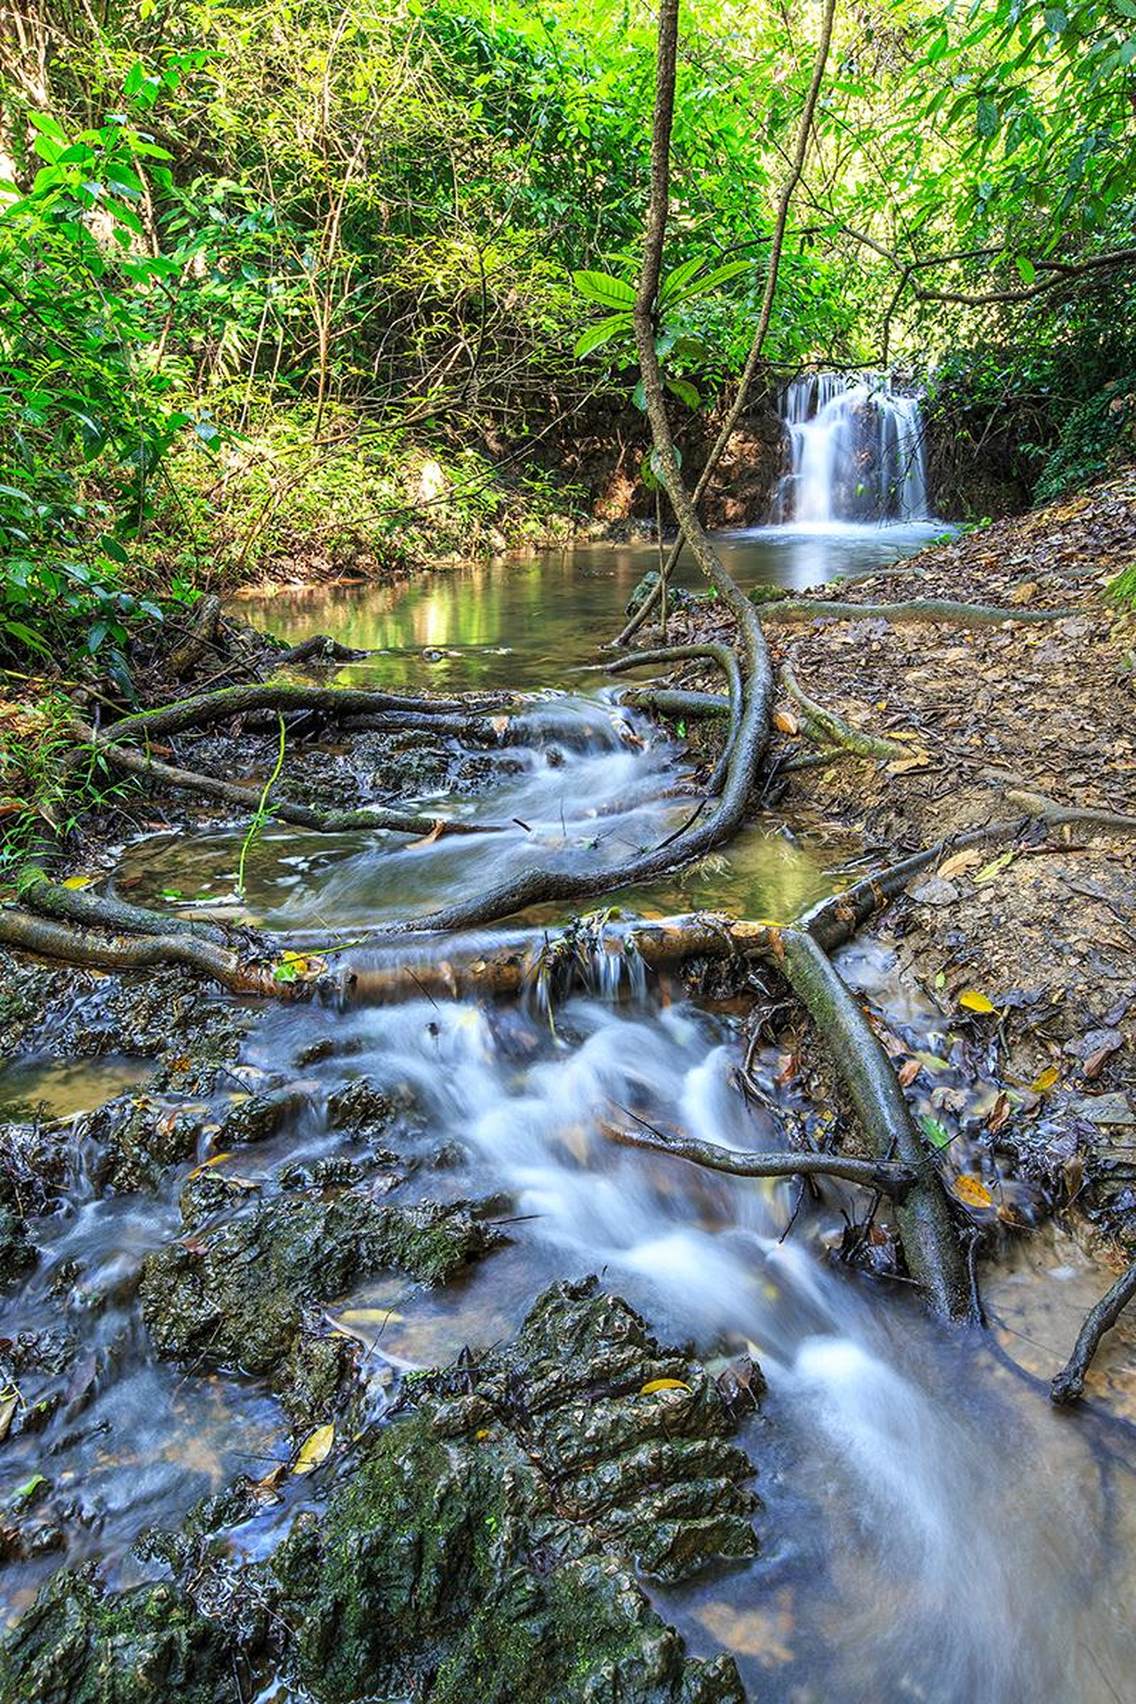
{"x": 234, "y": 1293}
{"x": 80, "y": 1645}
{"x": 487, "y": 1544}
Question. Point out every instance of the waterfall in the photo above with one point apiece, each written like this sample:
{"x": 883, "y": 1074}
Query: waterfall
{"x": 855, "y": 449}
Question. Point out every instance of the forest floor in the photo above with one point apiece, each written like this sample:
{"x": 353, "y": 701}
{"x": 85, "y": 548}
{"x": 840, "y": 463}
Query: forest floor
{"x": 1046, "y": 933}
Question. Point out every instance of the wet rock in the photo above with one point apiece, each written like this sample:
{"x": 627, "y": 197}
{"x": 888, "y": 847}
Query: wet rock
{"x": 234, "y": 1295}
{"x": 360, "y": 1106}
{"x": 937, "y": 891}
{"x": 486, "y": 1545}
{"x": 165, "y": 1015}
{"x": 79, "y": 1645}
{"x": 259, "y": 1117}
{"x": 17, "y": 1251}
{"x": 134, "y": 1138}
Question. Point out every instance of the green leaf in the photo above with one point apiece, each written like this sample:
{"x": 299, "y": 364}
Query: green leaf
{"x": 987, "y": 119}
{"x": 601, "y": 333}
{"x": 684, "y": 390}
{"x": 1026, "y": 269}
{"x": 703, "y": 286}
{"x": 607, "y": 291}
{"x": 937, "y": 1134}
{"x": 677, "y": 280}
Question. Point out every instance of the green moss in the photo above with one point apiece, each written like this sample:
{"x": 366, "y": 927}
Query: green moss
{"x": 77, "y": 1645}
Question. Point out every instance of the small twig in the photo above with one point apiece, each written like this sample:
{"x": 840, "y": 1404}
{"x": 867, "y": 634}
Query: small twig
{"x": 1070, "y": 1381}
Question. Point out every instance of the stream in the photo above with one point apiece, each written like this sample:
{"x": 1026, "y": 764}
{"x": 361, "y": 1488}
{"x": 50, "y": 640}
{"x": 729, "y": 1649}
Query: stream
{"x": 932, "y": 1529}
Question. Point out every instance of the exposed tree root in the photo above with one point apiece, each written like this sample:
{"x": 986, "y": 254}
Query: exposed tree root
{"x": 726, "y": 658}
{"x": 249, "y": 799}
{"x": 888, "y": 1178}
{"x": 676, "y": 703}
{"x": 207, "y": 708}
{"x": 831, "y": 729}
{"x": 83, "y": 947}
{"x": 931, "y": 1245}
{"x": 937, "y": 611}
{"x": 1080, "y": 816}
{"x": 78, "y": 905}
{"x": 1069, "y": 1384}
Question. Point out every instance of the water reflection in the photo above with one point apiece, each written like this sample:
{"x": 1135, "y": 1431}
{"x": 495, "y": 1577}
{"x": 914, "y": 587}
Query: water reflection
{"x": 522, "y": 624}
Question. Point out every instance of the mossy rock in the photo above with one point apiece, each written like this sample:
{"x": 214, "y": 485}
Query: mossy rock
{"x": 135, "y": 1138}
{"x": 78, "y": 1645}
{"x": 486, "y": 1546}
{"x": 234, "y": 1294}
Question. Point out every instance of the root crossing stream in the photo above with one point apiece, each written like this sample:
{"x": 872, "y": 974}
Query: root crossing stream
{"x": 931, "y": 1529}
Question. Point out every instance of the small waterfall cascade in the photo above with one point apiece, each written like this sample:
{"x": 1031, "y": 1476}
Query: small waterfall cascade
{"x": 855, "y": 451}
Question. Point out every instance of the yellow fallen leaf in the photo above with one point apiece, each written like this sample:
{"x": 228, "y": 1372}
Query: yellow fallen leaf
{"x": 371, "y": 1316}
{"x": 314, "y": 1450}
{"x": 995, "y": 867}
{"x": 1045, "y": 1080}
{"x": 9, "y": 1402}
{"x": 785, "y": 722}
{"x": 976, "y": 1002}
{"x": 653, "y": 1385}
{"x": 74, "y": 882}
{"x": 972, "y": 1191}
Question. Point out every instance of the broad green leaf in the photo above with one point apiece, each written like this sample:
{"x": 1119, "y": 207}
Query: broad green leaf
{"x": 607, "y": 291}
{"x": 603, "y": 332}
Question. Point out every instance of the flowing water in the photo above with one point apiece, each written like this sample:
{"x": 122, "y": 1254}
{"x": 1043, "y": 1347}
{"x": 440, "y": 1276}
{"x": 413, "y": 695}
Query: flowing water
{"x": 856, "y": 451}
{"x": 931, "y": 1530}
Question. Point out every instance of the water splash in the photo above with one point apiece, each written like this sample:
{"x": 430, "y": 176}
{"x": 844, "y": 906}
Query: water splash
{"x": 856, "y": 451}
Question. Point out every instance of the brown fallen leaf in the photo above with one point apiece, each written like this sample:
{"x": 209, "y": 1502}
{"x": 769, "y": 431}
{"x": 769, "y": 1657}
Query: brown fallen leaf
{"x": 908, "y": 1072}
{"x": 785, "y": 722}
{"x": 958, "y": 862}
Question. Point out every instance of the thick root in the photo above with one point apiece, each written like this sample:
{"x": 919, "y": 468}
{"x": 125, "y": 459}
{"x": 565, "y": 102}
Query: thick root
{"x": 937, "y": 611}
{"x": 931, "y": 1244}
{"x": 830, "y": 729}
{"x": 207, "y": 708}
{"x": 249, "y": 799}
{"x": 83, "y": 947}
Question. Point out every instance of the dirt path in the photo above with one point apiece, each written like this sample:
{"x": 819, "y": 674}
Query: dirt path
{"x": 1045, "y": 934}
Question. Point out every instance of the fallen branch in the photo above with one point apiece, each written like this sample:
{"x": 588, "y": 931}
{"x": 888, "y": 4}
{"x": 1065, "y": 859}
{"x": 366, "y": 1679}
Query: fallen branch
{"x": 832, "y": 729}
{"x": 140, "y": 763}
{"x": 889, "y": 1178}
{"x": 207, "y": 708}
{"x": 83, "y": 947}
{"x": 940, "y": 611}
{"x": 931, "y": 1246}
{"x": 1069, "y": 1384}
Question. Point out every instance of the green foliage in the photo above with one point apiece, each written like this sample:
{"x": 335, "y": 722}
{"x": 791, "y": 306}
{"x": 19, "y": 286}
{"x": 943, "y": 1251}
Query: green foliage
{"x": 1096, "y": 437}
